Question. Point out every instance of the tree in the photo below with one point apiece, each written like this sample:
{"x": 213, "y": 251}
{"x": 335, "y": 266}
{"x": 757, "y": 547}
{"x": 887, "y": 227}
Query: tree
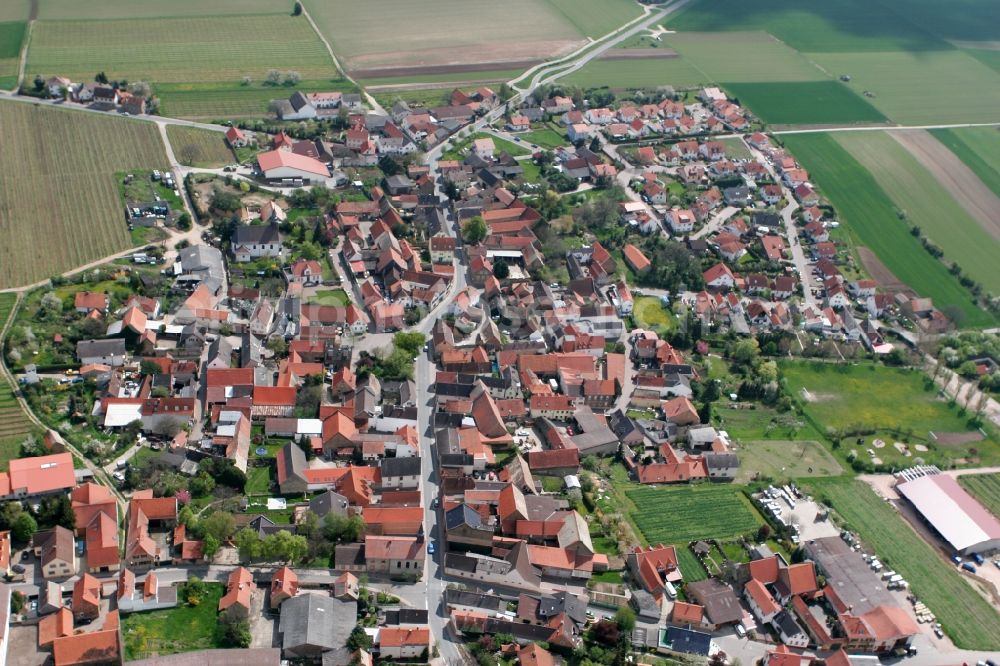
{"x": 188, "y": 154}
{"x": 342, "y": 529}
{"x": 142, "y": 88}
{"x": 56, "y": 510}
{"x": 359, "y": 639}
{"x": 16, "y": 601}
{"x": 501, "y": 270}
{"x": 39, "y": 83}
{"x": 297, "y": 9}
{"x": 273, "y": 77}
{"x": 307, "y": 401}
{"x": 292, "y": 78}
{"x": 235, "y": 632}
{"x": 184, "y": 223}
{"x": 186, "y": 516}
{"x": 283, "y": 546}
{"x": 209, "y": 546}
{"x": 389, "y": 166}
{"x": 23, "y": 527}
{"x": 150, "y": 368}
{"x": 101, "y": 78}
{"x": 411, "y": 343}
{"x": 220, "y": 525}
{"x": 745, "y": 351}
{"x": 202, "y": 485}
{"x": 248, "y": 544}
{"x": 277, "y": 345}
{"x": 625, "y": 619}
{"x": 474, "y": 231}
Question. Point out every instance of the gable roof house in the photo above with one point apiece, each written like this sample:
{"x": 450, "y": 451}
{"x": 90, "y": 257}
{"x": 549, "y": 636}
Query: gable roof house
{"x": 239, "y": 589}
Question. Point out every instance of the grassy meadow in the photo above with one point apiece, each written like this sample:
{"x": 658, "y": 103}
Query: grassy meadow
{"x": 970, "y": 621}
{"x": 871, "y": 220}
{"x": 927, "y": 203}
{"x": 199, "y": 147}
{"x": 65, "y": 187}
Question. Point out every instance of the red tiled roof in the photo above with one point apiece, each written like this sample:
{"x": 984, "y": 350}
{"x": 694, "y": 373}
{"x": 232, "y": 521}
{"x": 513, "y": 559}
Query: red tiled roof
{"x": 238, "y": 589}
{"x": 685, "y": 613}
{"x": 404, "y": 636}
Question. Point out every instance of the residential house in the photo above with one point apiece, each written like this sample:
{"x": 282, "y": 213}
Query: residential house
{"x": 56, "y": 550}
{"x": 239, "y": 590}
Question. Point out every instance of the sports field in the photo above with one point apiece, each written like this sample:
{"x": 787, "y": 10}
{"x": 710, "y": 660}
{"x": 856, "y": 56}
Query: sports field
{"x": 813, "y": 26}
{"x": 928, "y": 205}
{"x": 382, "y": 33}
{"x": 985, "y": 488}
{"x": 978, "y": 148}
{"x": 64, "y": 188}
{"x": 743, "y": 56}
{"x": 199, "y": 147}
{"x": 14, "y": 423}
{"x": 870, "y": 217}
{"x": 684, "y": 513}
{"x": 970, "y": 621}
{"x": 804, "y": 103}
{"x": 636, "y": 73}
{"x": 869, "y": 395}
{"x": 921, "y": 88}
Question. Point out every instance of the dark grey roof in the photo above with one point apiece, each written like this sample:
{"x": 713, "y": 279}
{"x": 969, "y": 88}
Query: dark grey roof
{"x": 621, "y": 424}
{"x": 329, "y": 502}
{"x": 298, "y": 101}
{"x": 721, "y": 460}
{"x": 316, "y": 620}
{"x": 256, "y": 234}
{"x": 471, "y": 599}
{"x": 786, "y": 624}
{"x": 406, "y": 616}
{"x": 689, "y": 641}
{"x": 409, "y": 466}
{"x": 563, "y": 602}
{"x": 88, "y": 348}
{"x": 766, "y": 220}
{"x": 463, "y": 514}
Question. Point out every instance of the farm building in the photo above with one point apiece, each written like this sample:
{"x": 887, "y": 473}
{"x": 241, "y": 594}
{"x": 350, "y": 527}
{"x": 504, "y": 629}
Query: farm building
{"x": 955, "y": 515}
{"x": 284, "y": 164}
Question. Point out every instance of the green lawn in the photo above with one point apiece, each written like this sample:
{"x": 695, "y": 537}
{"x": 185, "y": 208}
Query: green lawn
{"x": 181, "y": 629}
{"x": 814, "y": 25}
{"x": 459, "y": 149}
{"x": 636, "y": 73}
{"x": 783, "y": 459}
{"x": 258, "y": 480}
{"x": 690, "y": 566}
{"x": 231, "y": 99}
{"x": 685, "y": 513}
{"x": 759, "y": 423}
{"x": 985, "y": 488}
{"x": 545, "y": 138}
{"x": 845, "y": 396}
{"x": 978, "y": 148}
{"x": 330, "y": 297}
{"x": 743, "y": 56}
{"x": 927, "y": 203}
{"x": 965, "y": 90}
{"x": 649, "y": 313}
{"x": 870, "y": 218}
{"x": 735, "y": 149}
{"x": 968, "y": 618}
{"x": 804, "y": 103}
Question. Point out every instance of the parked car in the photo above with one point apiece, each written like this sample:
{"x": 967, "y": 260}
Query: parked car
{"x": 430, "y": 547}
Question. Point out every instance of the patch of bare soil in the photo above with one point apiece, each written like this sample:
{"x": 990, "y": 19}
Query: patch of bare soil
{"x": 493, "y": 55}
{"x": 960, "y": 181}
{"x": 957, "y": 438}
{"x": 642, "y": 54}
{"x": 433, "y": 70}
{"x": 874, "y": 267}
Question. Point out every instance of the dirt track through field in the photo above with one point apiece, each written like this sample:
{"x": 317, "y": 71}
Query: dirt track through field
{"x": 960, "y": 181}
{"x": 432, "y": 70}
{"x": 879, "y": 272}
{"x": 640, "y": 54}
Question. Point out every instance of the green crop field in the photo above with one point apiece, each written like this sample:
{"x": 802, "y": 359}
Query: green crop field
{"x": 64, "y": 187}
{"x": 805, "y": 103}
{"x": 870, "y": 218}
{"x": 989, "y": 57}
{"x": 965, "y": 615}
{"x": 214, "y": 101}
{"x": 813, "y": 25}
{"x": 927, "y": 203}
{"x": 964, "y": 89}
{"x": 14, "y": 423}
{"x": 174, "y": 55}
{"x": 869, "y": 395}
{"x": 685, "y": 513}
{"x": 636, "y": 73}
{"x": 978, "y": 148}
{"x": 461, "y": 79}
{"x": 11, "y": 38}
{"x": 968, "y": 20}
{"x": 116, "y": 9}
{"x": 390, "y": 33}
{"x": 985, "y": 488}
{"x": 743, "y": 56}
{"x": 596, "y": 18}
{"x": 199, "y": 147}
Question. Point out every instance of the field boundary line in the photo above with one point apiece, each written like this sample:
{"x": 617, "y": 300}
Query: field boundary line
{"x": 23, "y": 60}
